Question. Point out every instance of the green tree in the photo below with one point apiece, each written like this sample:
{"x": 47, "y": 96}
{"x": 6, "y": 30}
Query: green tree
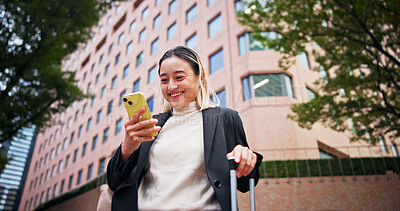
{"x": 359, "y": 53}
{"x": 35, "y": 37}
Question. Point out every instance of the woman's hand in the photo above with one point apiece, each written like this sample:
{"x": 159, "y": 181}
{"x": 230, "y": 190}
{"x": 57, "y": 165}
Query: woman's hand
{"x": 245, "y": 158}
{"x": 135, "y": 133}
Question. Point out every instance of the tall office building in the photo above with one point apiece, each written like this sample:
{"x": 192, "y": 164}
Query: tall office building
{"x": 122, "y": 57}
{"x": 12, "y": 178}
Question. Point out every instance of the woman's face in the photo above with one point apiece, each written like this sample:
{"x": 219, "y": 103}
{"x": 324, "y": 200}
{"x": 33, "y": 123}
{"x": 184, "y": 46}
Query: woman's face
{"x": 178, "y": 82}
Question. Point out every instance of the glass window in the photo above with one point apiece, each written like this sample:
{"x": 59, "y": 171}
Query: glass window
{"x": 304, "y": 60}
{"x": 97, "y": 79}
{"x": 157, "y": 21}
{"x": 92, "y": 68}
{"x": 191, "y": 14}
{"x": 118, "y": 126}
{"x": 52, "y": 154}
{"x": 62, "y": 186}
{"x": 210, "y": 2}
{"x": 238, "y": 6}
{"x": 80, "y": 131}
{"x": 173, "y": 5}
{"x": 71, "y": 140}
{"x": 110, "y": 49}
{"x": 129, "y": 48}
{"x": 84, "y": 76}
{"x": 88, "y": 124}
{"x": 145, "y": 13}
{"x": 106, "y": 69}
{"x": 98, "y": 116}
{"x": 65, "y": 143}
{"x": 94, "y": 143}
{"x": 120, "y": 96}
{"x": 101, "y": 165}
{"x": 172, "y": 31}
{"x": 242, "y": 44}
{"x": 216, "y": 61}
{"x": 75, "y": 155}
{"x": 53, "y": 171}
{"x": 310, "y": 94}
{"x": 103, "y": 91}
{"x": 214, "y": 26}
{"x": 101, "y": 58}
{"x": 264, "y": 85}
{"x": 152, "y": 74}
{"x": 93, "y": 101}
{"x": 117, "y": 58}
{"x": 150, "y": 103}
{"x": 58, "y": 149}
{"x": 84, "y": 149}
{"x": 84, "y": 108}
{"x": 191, "y": 42}
{"x": 132, "y": 26}
{"x": 78, "y": 181}
{"x": 142, "y": 35}
{"x": 394, "y": 150}
{"x": 55, "y": 190}
{"x": 126, "y": 71}
{"x": 139, "y": 59}
{"x": 105, "y": 135}
{"x": 222, "y": 98}
{"x": 154, "y": 45}
{"x": 158, "y": 2}
{"x": 121, "y": 38}
{"x": 71, "y": 178}
{"x": 109, "y": 107}
{"x": 60, "y": 166}
{"x": 136, "y": 85}
{"x": 66, "y": 161}
{"x": 114, "y": 82}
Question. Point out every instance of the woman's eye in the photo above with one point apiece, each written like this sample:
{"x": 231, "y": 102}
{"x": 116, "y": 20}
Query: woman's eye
{"x": 163, "y": 80}
{"x": 179, "y": 77}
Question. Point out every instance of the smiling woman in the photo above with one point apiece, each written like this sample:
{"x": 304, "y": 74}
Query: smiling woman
{"x": 186, "y": 167}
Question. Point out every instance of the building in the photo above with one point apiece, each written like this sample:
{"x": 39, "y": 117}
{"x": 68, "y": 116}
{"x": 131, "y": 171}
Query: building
{"x": 122, "y": 57}
{"x": 12, "y": 178}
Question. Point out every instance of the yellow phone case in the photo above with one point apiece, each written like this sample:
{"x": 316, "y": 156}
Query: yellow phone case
{"x": 133, "y": 102}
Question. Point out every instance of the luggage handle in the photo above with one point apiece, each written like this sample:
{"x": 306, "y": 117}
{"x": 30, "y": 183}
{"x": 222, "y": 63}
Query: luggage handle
{"x": 233, "y": 184}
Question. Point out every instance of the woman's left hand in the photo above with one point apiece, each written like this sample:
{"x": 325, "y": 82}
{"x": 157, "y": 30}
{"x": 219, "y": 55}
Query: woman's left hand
{"x": 245, "y": 158}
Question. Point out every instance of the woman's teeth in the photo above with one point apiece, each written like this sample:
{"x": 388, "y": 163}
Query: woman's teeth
{"x": 176, "y": 94}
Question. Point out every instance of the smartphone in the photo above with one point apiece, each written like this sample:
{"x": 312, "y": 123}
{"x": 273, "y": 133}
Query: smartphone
{"x": 133, "y": 102}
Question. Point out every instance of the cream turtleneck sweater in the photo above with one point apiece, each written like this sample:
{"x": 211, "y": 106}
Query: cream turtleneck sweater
{"x": 176, "y": 176}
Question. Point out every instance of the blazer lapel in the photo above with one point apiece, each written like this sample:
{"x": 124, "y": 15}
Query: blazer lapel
{"x": 210, "y": 119}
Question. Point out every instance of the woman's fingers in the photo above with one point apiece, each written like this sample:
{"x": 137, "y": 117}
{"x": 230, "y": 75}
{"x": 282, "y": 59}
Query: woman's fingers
{"x": 139, "y": 125}
{"x": 245, "y": 158}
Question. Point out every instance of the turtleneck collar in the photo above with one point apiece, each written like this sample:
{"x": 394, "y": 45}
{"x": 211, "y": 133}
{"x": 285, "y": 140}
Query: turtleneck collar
{"x": 191, "y": 107}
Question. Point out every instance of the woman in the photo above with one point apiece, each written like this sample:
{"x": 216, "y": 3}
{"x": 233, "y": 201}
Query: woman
{"x": 186, "y": 167}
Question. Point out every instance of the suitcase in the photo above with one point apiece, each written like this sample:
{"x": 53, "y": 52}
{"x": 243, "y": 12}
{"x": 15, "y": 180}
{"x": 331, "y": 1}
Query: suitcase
{"x": 233, "y": 185}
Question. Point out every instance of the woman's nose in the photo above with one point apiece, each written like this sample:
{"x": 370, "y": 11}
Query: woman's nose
{"x": 172, "y": 86}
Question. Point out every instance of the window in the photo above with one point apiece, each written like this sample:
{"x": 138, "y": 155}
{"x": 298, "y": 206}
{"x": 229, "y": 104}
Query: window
{"x": 62, "y": 186}
{"x": 150, "y": 103}
{"x": 139, "y": 59}
{"x": 84, "y": 149}
{"x": 214, "y": 26}
{"x": 210, "y": 2}
{"x": 103, "y": 91}
{"x": 48, "y": 194}
{"x": 52, "y": 154}
{"x": 394, "y": 150}
{"x": 80, "y": 131}
{"x": 120, "y": 96}
{"x": 101, "y": 165}
{"x": 383, "y": 144}
{"x": 145, "y": 13}
{"x": 216, "y": 61}
{"x": 126, "y": 71}
{"x": 109, "y": 107}
{"x": 47, "y": 174}
{"x": 136, "y": 85}
{"x": 157, "y": 21}
{"x": 251, "y": 41}
{"x": 118, "y": 126}
{"x": 117, "y": 59}
{"x": 92, "y": 68}
{"x": 67, "y": 161}
{"x": 42, "y": 197}
{"x": 84, "y": 76}
{"x": 65, "y": 144}
{"x": 93, "y": 101}
{"x": 142, "y": 35}
{"x": 75, "y": 155}
{"x": 110, "y": 49}
{"x": 53, "y": 170}
{"x": 98, "y": 116}
{"x": 78, "y": 181}
{"x": 154, "y": 46}
{"x": 105, "y": 135}
{"x": 76, "y": 115}
{"x": 310, "y": 94}
{"x": 71, "y": 140}
{"x": 158, "y": 2}
{"x": 152, "y": 74}
{"x": 101, "y": 58}
{"x": 191, "y": 42}
{"x": 173, "y": 5}
{"x": 89, "y": 173}
{"x": 171, "y": 31}
{"x": 264, "y": 85}
{"x": 222, "y": 98}
{"x": 71, "y": 178}
{"x": 84, "y": 108}
{"x": 129, "y": 48}
{"x": 191, "y": 14}
{"x": 238, "y": 6}
{"x": 304, "y": 60}
{"x": 114, "y": 82}
{"x": 132, "y": 26}
{"x": 88, "y": 124}
{"x": 106, "y": 69}
{"x": 60, "y": 166}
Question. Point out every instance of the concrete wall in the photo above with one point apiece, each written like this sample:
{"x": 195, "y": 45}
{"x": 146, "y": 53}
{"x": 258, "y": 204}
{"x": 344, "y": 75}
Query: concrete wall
{"x": 317, "y": 193}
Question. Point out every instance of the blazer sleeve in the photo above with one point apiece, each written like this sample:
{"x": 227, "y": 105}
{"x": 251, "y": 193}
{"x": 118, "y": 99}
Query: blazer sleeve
{"x": 117, "y": 170}
{"x": 240, "y": 138}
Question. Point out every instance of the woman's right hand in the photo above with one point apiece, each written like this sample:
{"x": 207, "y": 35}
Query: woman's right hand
{"x": 135, "y": 133}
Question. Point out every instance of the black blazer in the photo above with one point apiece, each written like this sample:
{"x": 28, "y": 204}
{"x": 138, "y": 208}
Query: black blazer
{"x": 223, "y": 130}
